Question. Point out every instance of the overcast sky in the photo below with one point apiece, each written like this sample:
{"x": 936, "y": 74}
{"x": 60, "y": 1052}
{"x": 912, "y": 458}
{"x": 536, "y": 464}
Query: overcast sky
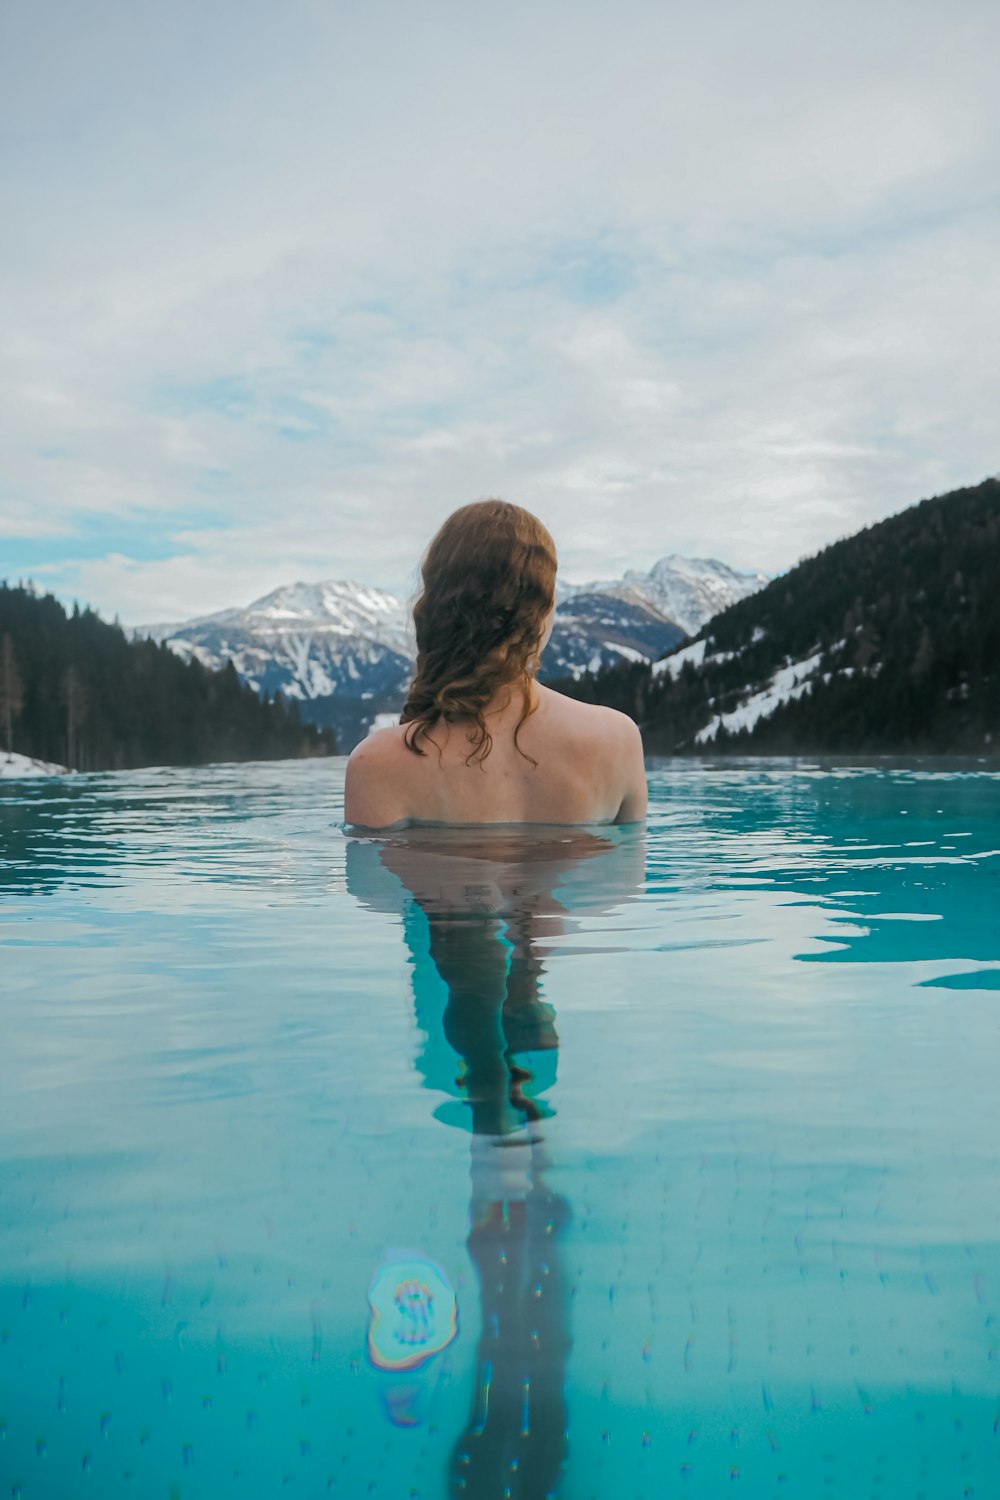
{"x": 283, "y": 284}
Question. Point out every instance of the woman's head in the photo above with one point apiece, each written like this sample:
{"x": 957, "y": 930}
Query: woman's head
{"x": 488, "y": 591}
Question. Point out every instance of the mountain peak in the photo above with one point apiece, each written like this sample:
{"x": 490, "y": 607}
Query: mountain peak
{"x": 334, "y": 603}
{"x": 687, "y": 590}
{"x": 334, "y": 606}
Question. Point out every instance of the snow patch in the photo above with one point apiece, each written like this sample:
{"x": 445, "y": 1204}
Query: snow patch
{"x": 786, "y": 684}
{"x": 319, "y": 683}
{"x": 695, "y": 654}
{"x": 15, "y": 765}
{"x": 626, "y": 651}
{"x": 383, "y": 721}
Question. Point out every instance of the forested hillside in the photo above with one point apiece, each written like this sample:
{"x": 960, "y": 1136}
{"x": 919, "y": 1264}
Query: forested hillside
{"x": 74, "y": 690}
{"x": 887, "y": 641}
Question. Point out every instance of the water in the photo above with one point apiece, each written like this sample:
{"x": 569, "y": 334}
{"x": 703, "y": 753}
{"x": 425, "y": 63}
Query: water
{"x": 668, "y": 1162}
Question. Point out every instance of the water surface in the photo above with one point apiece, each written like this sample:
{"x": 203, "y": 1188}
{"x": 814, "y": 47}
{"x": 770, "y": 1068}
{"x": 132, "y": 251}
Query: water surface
{"x": 668, "y": 1159}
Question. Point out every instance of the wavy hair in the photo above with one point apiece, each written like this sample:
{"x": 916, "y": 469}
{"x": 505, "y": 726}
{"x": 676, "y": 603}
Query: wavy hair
{"x": 488, "y": 583}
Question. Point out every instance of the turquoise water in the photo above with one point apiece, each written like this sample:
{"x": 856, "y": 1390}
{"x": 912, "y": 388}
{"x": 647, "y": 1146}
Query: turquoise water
{"x": 669, "y": 1161}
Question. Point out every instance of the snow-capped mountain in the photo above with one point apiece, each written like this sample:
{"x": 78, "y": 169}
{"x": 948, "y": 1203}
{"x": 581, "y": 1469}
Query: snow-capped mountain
{"x": 687, "y": 590}
{"x": 346, "y": 651}
{"x": 310, "y": 640}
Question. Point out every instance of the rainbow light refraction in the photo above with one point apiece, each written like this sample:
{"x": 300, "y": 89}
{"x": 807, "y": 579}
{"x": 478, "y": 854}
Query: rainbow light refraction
{"x": 414, "y": 1314}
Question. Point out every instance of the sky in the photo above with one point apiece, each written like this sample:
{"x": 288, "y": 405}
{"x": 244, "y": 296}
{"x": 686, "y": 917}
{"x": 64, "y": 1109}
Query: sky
{"x": 283, "y": 285}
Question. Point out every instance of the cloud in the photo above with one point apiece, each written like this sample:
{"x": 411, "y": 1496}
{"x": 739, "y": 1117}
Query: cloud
{"x": 284, "y": 292}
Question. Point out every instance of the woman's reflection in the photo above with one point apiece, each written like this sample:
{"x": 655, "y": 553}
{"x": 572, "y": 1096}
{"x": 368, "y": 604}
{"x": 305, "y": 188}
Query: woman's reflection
{"x": 487, "y": 903}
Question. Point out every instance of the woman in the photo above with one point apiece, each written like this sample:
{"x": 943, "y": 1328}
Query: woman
{"x": 480, "y": 741}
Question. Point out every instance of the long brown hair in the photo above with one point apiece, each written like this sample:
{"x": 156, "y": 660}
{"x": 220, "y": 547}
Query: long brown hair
{"x": 489, "y": 580}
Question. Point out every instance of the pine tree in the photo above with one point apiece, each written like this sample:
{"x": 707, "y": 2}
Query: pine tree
{"x": 75, "y": 698}
{"x": 11, "y": 690}
{"x": 923, "y": 658}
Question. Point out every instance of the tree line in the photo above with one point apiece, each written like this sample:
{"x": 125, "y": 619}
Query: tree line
{"x": 75, "y": 690}
{"x": 907, "y": 616}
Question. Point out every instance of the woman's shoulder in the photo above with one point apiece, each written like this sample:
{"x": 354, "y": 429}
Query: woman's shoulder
{"x": 591, "y": 740}
{"x": 379, "y": 743}
{"x": 383, "y": 752}
{"x": 589, "y": 720}
{"x": 375, "y": 779}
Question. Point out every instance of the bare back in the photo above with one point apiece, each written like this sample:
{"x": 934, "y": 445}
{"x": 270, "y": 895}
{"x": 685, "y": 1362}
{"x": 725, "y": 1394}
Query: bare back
{"x": 589, "y": 769}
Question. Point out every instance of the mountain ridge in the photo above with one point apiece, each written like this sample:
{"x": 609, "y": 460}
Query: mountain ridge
{"x": 345, "y": 651}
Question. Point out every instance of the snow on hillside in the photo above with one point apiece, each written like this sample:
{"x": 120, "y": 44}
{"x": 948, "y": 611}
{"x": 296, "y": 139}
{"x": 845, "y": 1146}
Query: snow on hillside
{"x": 695, "y": 654}
{"x": 788, "y": 682}
{"x": 757, "y": 700}
{"x": 24, "y": 766}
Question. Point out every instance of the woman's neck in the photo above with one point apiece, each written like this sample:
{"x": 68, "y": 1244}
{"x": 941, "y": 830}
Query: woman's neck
{"x": 508, "y": 701}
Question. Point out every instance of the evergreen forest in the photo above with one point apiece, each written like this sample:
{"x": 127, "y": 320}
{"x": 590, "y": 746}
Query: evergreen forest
{"x": 906, "y": 617}
{"x": 75, "y": 690}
